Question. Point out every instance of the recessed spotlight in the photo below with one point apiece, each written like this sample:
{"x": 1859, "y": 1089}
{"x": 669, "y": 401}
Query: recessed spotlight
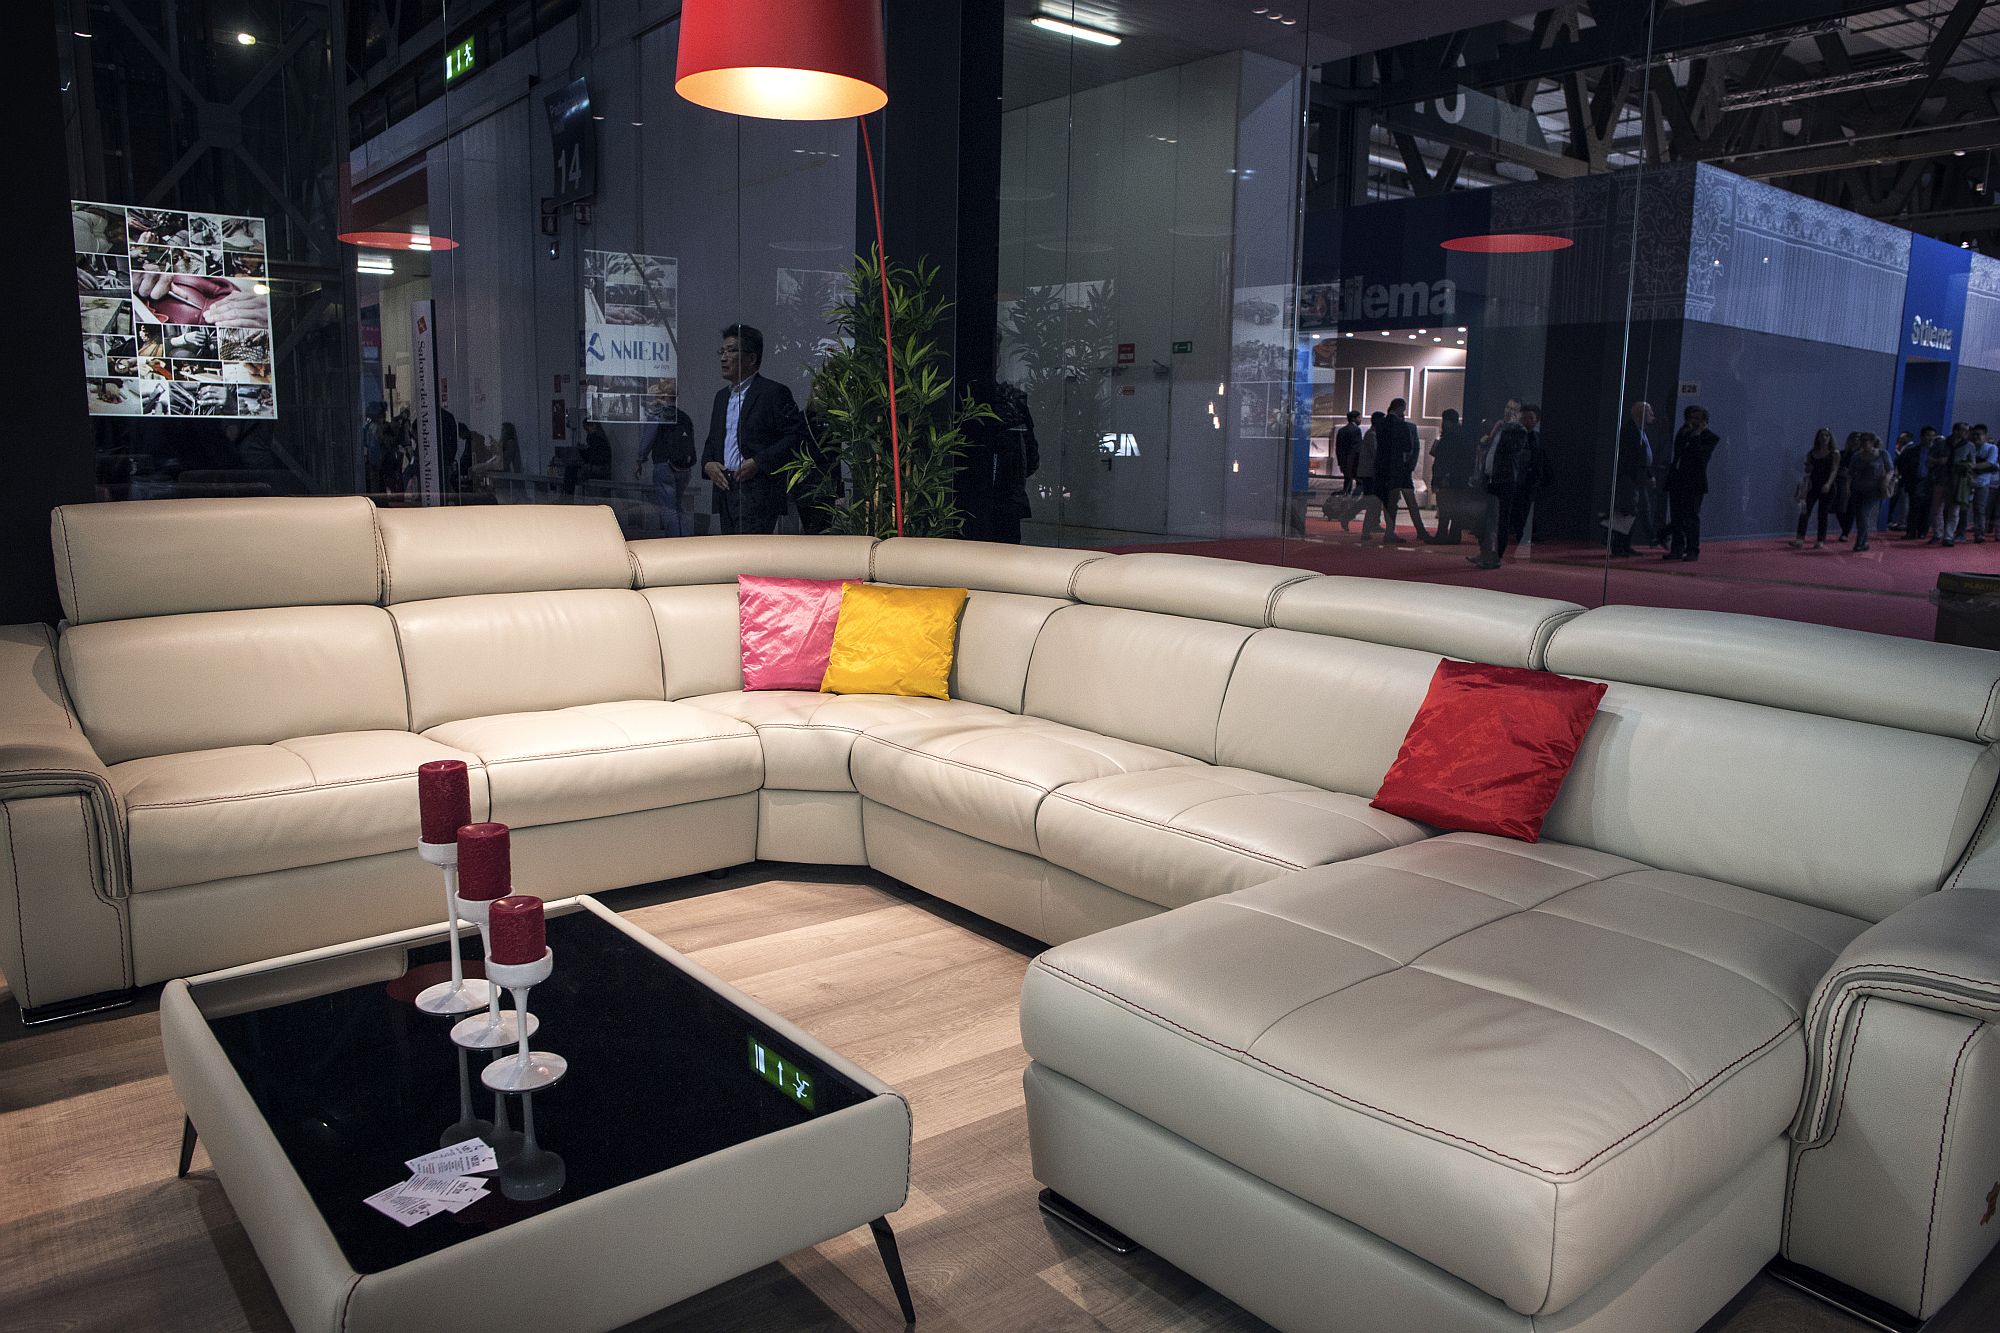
{"x": 1461, "y": 342}
{"x": 1424, "y": 332}
{"x": 1315, "y": 337}
{"x": 1461, "y": 328}
{"x": 638, "y": 124}
{"x": 1347, "y": 335}
{"x": 1081, "y": 34}
{"x": 1718, "y": 263}
{"x": 81, "y": 33}
{"x": 1437, "y": 340}
{"x": 1413, "y": 337}
{"x": 1956, "y": 152}
{"x": 246, "y": 39}
{"x": 259, "y": 289}
{"x": 1383, "y": 334}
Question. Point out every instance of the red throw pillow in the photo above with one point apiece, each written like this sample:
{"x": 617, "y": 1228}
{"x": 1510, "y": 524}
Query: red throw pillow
{"x": 787, "y": 629}
{"x": 1489, "y": 749}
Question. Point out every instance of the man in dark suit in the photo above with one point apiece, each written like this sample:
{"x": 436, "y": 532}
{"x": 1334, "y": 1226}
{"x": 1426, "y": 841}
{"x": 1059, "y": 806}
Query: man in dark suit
{"x": 753, "y": 430}
{"x": 1515, "y": 467}
{"x": 1687, "y": 483}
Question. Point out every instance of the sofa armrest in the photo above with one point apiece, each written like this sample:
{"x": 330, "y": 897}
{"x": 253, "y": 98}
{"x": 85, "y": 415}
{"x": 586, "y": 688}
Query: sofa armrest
{"x": 1941, "y": 953}
{"x": 64, "y": 933}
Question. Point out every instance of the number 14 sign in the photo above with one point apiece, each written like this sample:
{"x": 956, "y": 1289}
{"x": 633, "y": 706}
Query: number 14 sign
{"x": 570, "y": 129}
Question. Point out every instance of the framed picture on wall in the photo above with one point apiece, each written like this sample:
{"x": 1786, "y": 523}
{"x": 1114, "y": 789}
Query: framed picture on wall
{"x": 1444, "y": 386}
{"x": 1382, "y": 385}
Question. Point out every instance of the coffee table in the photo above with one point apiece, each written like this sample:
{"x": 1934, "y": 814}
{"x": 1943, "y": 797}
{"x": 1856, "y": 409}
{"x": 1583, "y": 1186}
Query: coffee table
{"x": 665, "y": 1162}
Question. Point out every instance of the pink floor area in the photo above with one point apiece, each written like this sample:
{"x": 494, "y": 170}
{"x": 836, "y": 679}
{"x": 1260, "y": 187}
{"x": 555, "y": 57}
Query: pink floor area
{"x": 1886, "y": 589}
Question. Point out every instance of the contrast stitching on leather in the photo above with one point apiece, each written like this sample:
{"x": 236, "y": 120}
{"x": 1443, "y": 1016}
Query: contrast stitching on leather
{"x": 1971, "y": 846}
{"x": 1223, "y": 843}
{"x": 1830, "y": 984}
{"x": 1075, "y": 572}
{"x": 1222, "y": 704}
{"x": 1986, "y": 715}
{"x": 633, "y": 567}
{"x": 55, "y": 668}
{"x": 1545, "y": 909}
{"x": 1840, "y": 1111}
{"x": 69, "y": 561}
{"x": 620, "y": 749}
{"x": 1271, "y": 598}
{"x": 1944, "y": 1134}
{"x": 1703, "y": 902}
{"x": 348, "y": 1300}
{"x": 90, "y": 873}
{"x": 20, "y": 921}
{"x": 403, "y": 669}
{"x": 1545, "y": 630}
{"x": 956, "y": 763}
{"x": 1692, "y": 1093}
{"x": 273, "y": 791}
{"x": 381, "y": 555}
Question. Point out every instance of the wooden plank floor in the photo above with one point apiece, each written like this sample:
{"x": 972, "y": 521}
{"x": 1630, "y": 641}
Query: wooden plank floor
{"x": 97, "y": 1234}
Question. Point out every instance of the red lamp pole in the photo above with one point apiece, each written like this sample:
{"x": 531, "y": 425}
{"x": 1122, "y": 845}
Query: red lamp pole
{"x": 888, "y": 333}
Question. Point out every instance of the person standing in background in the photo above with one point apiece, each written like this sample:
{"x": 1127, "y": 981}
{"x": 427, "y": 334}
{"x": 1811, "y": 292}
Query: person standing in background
{"x": 1687, "y": 483}
{"x": 670, "y": 448}
{"x": 1843, "y": 503}
{"x": 1454, "y": 457}
{"x": 1947, "y": 505}
{"x": 1346, "y": 448}
{"x": 1366, "y": 459}
{"x": 1918, "y": 485}
{"x": 1867, "y": 475}
{"x": 1633, "y": 477}
{"x": 1516, "y": 466}
{"x": 1396, "y": 468}
{"x": 1985, "y": 485}
{"x": 753, "y": 430}
{"x": 1899, "y": 507}
{"x": 1816, "y": 488}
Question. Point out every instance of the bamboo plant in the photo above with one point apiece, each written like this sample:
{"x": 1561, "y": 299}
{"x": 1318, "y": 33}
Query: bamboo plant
{"x": 849, "y": 408}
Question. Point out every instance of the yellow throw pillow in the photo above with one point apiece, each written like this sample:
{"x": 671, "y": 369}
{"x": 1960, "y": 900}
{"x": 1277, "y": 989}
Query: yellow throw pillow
{"x": 894, "y": 641}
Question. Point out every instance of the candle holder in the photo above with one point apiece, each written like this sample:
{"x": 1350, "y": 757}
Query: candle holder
{"x": 496, "y": 1027}
{"x": 533, "y": 1173}
{"x": 460, "y": 995}
{"x": 468, "y": 1125}
{"x": 528, "y": 1070}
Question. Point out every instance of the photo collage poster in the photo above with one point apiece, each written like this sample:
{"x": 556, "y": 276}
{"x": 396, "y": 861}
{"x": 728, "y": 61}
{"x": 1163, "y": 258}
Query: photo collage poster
{"x": 631, "y": 322}
{"x": 176, "y": 313}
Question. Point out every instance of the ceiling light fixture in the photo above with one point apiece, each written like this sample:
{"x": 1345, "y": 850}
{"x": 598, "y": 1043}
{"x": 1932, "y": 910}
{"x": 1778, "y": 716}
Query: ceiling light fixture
{"x": 1081, "y": 34}
{"x": 399, "y": 240}
{"x": 798, "y": 60}
{"x": 1508, "y": 243}
{"x": 246, "y": 39}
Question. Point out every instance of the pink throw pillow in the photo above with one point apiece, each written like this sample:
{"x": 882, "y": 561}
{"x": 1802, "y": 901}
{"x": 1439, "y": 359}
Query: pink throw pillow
{"x": 787, "y": 630}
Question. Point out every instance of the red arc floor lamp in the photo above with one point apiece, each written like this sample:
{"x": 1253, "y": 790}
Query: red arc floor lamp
{"x": 797, "y": 60}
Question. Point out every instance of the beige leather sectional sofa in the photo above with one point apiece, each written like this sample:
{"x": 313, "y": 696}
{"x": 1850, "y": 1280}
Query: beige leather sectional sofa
{"x": 1352, "y": 1073}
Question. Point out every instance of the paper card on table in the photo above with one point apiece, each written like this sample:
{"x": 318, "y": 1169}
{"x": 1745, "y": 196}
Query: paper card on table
{"x": 460, "y": 1159}
{"x": 461, "y": 1204}
{"x": 409, "y": 1211}
{"x": 443, "y": 1189}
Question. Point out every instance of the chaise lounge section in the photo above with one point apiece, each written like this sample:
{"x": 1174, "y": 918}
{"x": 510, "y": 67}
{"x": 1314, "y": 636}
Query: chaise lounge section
{"x": 1350, "y": 1070}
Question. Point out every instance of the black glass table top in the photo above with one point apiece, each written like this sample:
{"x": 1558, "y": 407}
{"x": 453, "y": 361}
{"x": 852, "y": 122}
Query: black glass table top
{"x": 662, "y": 1071}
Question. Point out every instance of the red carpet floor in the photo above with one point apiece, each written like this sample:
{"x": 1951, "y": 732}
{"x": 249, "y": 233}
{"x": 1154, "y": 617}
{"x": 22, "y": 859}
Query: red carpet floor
{"x": 1886, "y": 590}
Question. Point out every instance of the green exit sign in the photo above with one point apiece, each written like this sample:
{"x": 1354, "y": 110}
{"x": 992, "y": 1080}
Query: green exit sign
{"x": 781, "y": 1073}
{"x": 458, "y": 61}
{"x": 1184, "y": 347}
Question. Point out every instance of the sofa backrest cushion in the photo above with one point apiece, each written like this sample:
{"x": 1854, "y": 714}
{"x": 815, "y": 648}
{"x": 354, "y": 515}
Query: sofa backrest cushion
{"x": 474, "y": 549}
{"x": 1943, "y": 689}
{"x": 1037, "y": 571}
{"x": 169, "y": 684}
{"x": 1851, "y": 816}
{"x": 1473, "y": 624}
{"x": 668, "y": 562}
{"x": 1321, "y": 710}
{"x": 700, "y": 642}
{"x": 170, "y": 557}
{"x": 527, "y": 652}
{"x": 1187, "y": 585}
{"x": 1152, "y": 679}
{"x": 996, "y": 642}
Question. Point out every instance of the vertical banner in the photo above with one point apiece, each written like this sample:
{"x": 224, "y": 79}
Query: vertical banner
{"x": 631, "y": 314}
{"x": 424, "y": 400}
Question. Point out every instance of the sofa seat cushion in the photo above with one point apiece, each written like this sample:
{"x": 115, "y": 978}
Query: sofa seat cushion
{"x": 1516, "y": 1062}
{"x": 606, "y": 759}
{"x": 808, "y": 736}
{"x": 248, "y": 809}
{"x": 987, "y": 777}
{"x": 1177, "y": 835}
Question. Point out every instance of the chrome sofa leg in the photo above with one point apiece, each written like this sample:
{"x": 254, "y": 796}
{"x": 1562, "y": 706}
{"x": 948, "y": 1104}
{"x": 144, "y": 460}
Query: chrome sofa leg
{"x": 63, "y": 1010}
{"x": 1860, "y": 1305}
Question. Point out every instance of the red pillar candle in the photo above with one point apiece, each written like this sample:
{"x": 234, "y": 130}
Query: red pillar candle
{"x": 515, "y": 926}
{"x": 444, "y": 796}
{"x": 485, "y": 867}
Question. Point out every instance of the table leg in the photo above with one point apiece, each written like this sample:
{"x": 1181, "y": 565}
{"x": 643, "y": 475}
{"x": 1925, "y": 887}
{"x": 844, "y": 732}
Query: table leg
{"x": 885, "y": 1241}
{"x": 187, "y": 1146}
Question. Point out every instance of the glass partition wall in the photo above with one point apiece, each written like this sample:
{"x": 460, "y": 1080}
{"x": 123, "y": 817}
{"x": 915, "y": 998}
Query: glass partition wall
{"x": 478, "y": 251}
{"x": 1281, "y": 281}
{"x": 501, "y": 249}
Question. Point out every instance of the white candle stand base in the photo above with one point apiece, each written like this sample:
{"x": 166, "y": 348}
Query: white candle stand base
{"x": 496, "y": 1027}
{"x": 528, "y": 1070}
{"x": 460, "y": 995}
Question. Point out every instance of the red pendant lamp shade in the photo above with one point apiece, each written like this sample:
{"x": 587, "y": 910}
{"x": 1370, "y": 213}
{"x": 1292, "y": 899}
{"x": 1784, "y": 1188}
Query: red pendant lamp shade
{"x": 783, "y": 59}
